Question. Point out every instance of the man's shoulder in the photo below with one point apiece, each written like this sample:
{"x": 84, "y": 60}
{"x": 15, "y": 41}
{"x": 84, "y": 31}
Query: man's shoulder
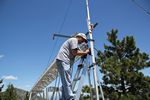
{"x": 72, "y": 39}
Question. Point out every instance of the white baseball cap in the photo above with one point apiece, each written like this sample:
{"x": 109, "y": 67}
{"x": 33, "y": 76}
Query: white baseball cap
{"x": 82, "y": 35}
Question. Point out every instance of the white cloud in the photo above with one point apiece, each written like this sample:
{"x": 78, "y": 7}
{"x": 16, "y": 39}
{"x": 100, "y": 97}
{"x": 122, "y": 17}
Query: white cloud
{"x": 1, "y": 56}
{"x": 10, "y": 77}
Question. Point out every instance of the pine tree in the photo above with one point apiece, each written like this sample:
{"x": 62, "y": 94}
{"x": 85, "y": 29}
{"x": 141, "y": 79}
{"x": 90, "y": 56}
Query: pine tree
{"x": 1, "y": 87}
{"x": 10, "y": 93}
{"x": 121, "y": 63}
{"x": 85, "y": 90}
{"x": 27, "y": 96}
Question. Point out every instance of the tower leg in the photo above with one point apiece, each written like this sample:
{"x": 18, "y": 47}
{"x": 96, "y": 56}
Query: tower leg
{"x": 85, "y": 68}
{"x": 91, "y": 93}
{"x": 30, "y": 96}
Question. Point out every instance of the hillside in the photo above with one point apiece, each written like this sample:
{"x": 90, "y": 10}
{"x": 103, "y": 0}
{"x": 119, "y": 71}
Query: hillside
{"x": 21, "y": 93}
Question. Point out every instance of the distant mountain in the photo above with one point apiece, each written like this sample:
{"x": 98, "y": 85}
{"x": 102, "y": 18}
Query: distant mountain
{"x": 21, "y": 93}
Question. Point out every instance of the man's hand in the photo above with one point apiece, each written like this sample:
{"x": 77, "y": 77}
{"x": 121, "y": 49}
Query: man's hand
{"x": 92, "y": 27}
{"x": 77, "y": 52}
{"x": 88, "y": 51}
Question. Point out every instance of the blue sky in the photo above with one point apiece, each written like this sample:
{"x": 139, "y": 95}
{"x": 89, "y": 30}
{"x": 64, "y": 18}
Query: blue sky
{"x": 27, "y": 26}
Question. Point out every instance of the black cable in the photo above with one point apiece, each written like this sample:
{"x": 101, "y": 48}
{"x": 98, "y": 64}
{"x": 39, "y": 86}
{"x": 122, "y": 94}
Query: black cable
{"x": 141, "y": 7}
{"x": 54, "y": 45}
{"x": 96, "y": 49}
{"x": 60, "y": 29}
{"x": 65, "y": 17}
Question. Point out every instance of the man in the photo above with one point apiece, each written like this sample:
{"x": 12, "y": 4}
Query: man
{"x": 65, "y": 60}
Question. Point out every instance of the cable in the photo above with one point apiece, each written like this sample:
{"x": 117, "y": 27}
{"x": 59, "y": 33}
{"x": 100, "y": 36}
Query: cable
{"x": 60, "y": 29}
{"x": 66, "y": 14}
{"x": 55, "y": 43}
{"x": 141, "y": 7}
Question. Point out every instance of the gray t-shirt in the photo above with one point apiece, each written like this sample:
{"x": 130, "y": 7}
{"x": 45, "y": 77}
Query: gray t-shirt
{"x": 65, "y": 53}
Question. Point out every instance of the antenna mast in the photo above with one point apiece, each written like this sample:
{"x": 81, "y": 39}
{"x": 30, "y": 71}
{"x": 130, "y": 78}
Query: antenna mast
{"x": 92, "y": 48}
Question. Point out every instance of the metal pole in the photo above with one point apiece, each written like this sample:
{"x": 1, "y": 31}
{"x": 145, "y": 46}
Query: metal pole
{"x": 40, "y": 95}
{"x": 30, "y": 96}
{"x": 43, "y": 95}
{"x": 46, "y": 93}
{"x": 91, "y": 93}
{"x": 92, "y": 49}
{"x": 85, "y": 68}
{"x": 101, "y": 91}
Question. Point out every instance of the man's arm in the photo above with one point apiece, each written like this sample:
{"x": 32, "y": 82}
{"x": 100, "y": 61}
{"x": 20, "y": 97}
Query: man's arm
{"x": 77, "y": 52}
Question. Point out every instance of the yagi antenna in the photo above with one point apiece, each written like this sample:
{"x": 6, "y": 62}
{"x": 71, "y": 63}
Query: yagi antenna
{"x": 67, "y": 36}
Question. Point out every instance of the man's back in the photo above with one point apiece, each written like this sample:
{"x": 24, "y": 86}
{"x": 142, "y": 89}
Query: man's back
{"x": 65, "y": 53}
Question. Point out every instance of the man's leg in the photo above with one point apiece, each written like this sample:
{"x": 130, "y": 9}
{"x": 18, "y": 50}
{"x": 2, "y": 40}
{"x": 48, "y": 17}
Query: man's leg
{"x": 65, "y": 74}
{"x": 63, "y": 94}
